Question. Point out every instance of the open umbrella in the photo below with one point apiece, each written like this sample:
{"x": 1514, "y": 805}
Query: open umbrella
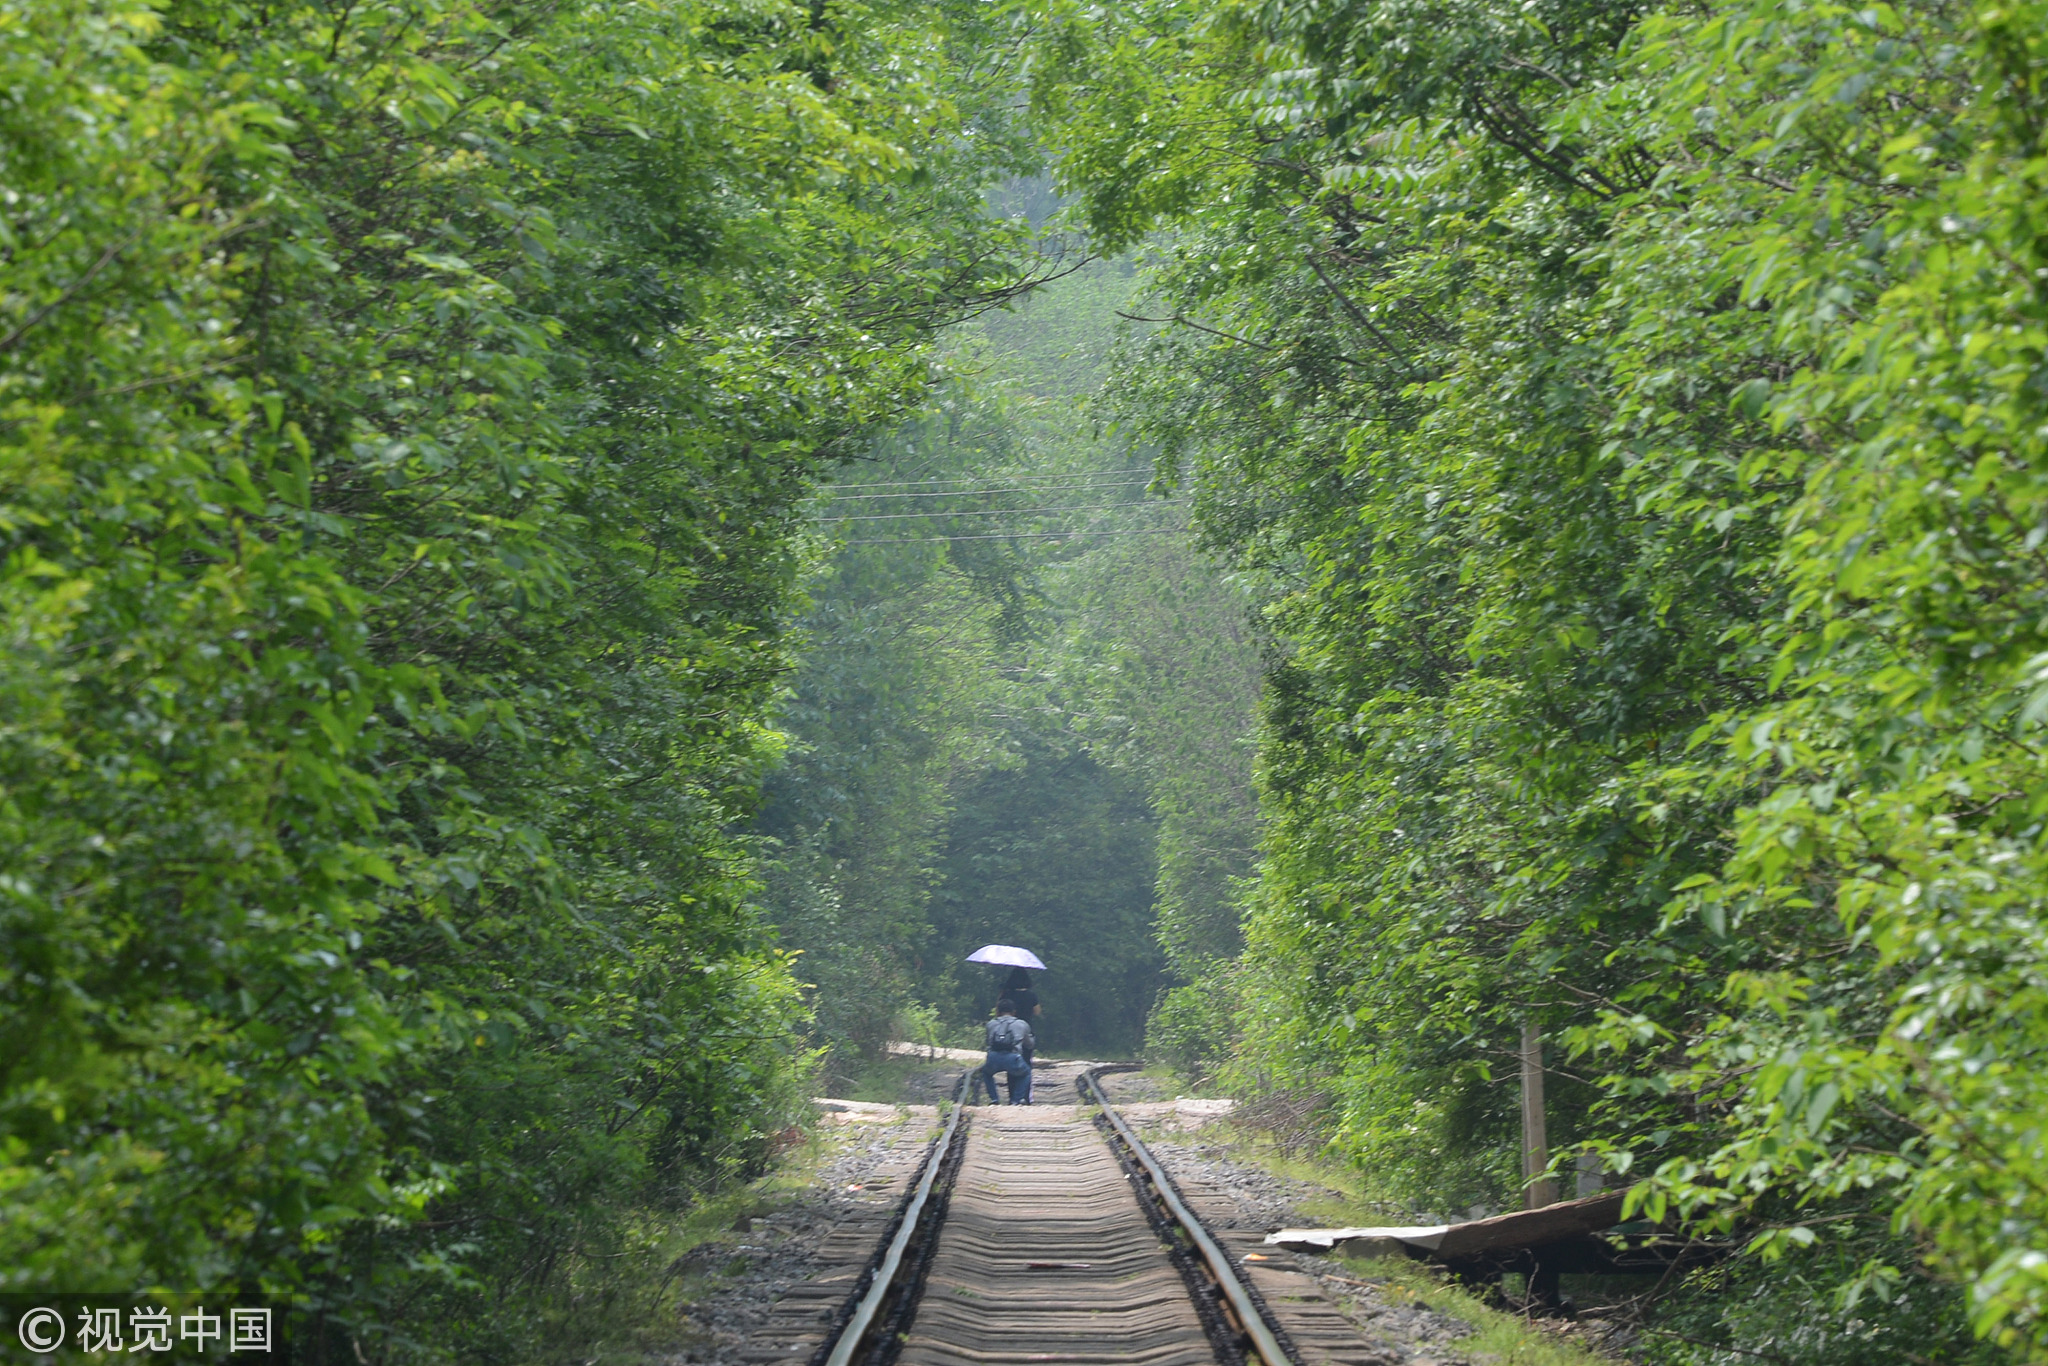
{"x": 1007, "y": 955}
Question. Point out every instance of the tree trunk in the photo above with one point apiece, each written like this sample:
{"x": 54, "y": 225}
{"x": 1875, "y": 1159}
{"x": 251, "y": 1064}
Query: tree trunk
{"x": 1535, "y": 1131}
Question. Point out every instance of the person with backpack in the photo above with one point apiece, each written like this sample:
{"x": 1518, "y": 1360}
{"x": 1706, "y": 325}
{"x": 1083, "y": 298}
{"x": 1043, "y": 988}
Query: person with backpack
{"x": 1018, "y": 990}
{"x": 1007, "y": 1038}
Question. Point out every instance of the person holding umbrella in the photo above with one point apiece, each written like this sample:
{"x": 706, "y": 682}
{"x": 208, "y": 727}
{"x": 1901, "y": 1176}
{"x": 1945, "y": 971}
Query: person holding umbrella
{"x": 1011, "y": 1043}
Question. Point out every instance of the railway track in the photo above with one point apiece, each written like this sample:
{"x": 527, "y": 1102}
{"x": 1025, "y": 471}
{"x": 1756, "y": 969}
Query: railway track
{"x": 1051, "y": 1233}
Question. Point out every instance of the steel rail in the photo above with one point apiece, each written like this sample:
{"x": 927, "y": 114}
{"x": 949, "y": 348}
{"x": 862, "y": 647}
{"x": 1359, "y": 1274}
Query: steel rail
{"x": 851, "y": 1342}
{"x": 1249, "y": 1318}
{"x": 854, "y": 1335}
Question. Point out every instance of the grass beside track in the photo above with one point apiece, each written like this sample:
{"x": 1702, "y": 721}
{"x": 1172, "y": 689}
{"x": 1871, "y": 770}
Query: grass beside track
{"x": 1500, "y": 1337}
{"x": 884, "y": 1080}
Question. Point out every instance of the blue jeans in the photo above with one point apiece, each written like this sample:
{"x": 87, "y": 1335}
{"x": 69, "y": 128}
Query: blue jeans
{"x": 1019, "y": 1072}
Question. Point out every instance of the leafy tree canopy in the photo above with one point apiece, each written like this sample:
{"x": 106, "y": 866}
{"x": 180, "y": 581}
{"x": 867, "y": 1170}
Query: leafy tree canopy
{"x": 1636, "y": 415}
{"x": 407, "y": 409}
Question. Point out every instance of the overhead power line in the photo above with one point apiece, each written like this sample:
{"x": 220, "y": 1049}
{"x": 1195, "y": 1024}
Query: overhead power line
{"x": 987, "y": 512}
{"x": 978, "y": 493}
{"x": 1009, "y": 479}
{"x": 1013, "y": 536}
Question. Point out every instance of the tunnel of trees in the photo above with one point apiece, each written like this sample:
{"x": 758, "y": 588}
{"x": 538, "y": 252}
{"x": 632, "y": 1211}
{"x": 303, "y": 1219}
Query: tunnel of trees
{"x": 562, "y": 563}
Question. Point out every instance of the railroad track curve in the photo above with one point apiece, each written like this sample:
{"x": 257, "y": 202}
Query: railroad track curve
{"x": 1051, "y": 1233}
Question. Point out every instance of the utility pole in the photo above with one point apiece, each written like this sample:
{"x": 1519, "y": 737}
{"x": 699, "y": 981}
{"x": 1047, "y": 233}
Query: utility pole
{"x": 1535, "y": 1130}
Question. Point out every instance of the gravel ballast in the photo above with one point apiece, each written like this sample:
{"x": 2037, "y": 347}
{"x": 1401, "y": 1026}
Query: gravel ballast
{"x": 1406, "y": 1331}
{"x": 731, "y": 1282}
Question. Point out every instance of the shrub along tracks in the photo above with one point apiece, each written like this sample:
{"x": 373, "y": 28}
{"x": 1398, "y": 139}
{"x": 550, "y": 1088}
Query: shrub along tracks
{"x": 1049, "y": 1234}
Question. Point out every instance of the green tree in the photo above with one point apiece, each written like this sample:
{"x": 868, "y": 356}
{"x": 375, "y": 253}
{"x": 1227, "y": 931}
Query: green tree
{"x": 408, "y": 411}
{"x": 1055, "y": 853}
{"x": 1010, "y": 645}
{"x": 1630, "y": 412}
{"x": 889, "y": 714}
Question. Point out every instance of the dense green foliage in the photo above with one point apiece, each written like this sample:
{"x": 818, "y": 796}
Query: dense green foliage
{"x": 407, "y": 409}
{"x": 1005, "y": 731}
{"x": 1056, "y": 852}
{"x": 1637, "y": 417}
{"x": 887, "y": 717}
{"x": 1135, "y": 684}
{"x": 517, "y": 641}
{"x": 1020, "y": 711}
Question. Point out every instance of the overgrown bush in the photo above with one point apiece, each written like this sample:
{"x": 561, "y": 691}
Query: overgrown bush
{"x": 1192, "y": 1028}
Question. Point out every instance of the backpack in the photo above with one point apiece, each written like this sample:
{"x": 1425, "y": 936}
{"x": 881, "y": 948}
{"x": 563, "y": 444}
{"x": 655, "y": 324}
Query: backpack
{"x": 1006, "y": 1034}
